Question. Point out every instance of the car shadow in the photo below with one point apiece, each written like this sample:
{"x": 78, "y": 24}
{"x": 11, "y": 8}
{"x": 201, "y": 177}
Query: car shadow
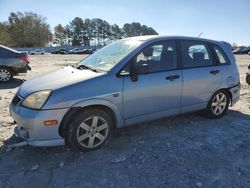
{"x": 8, "y": 143}
{"x": 165, "y": 146}
{"x": 11, "y": 84}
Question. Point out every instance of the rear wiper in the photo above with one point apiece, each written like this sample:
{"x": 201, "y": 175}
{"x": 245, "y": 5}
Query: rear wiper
{"x": 82, "y": 67}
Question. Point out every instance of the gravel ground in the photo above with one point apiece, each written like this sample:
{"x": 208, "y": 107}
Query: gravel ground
{"x": 184, "y": 151}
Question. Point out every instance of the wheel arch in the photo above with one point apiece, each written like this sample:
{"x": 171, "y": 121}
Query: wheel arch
{"x": 8, "y": 67}
{"x": 224, "y": 89}
{"x": 98, "y": 104}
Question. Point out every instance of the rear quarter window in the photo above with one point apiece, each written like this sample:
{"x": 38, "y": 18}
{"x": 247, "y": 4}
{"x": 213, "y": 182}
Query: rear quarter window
{"x": 220, "y": 55}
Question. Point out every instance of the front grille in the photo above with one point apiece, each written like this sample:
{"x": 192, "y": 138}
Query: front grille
{"x": 16, "y": 100}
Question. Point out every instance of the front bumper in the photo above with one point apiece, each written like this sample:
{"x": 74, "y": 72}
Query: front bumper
{"x": 30, "y": 125}
{"x": 38, "y": 143}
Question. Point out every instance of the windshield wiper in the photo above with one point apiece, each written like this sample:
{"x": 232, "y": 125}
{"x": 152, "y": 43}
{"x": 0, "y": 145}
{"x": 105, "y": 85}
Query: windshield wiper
{"x": 82, "y": 67}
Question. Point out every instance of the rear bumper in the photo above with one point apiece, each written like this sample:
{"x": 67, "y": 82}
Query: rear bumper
{"x": 23, "y": 69}
{"x": 235, "y": 93}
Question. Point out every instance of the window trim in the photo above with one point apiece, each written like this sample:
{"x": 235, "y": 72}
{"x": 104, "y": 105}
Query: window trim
{"x": 118, "y": 74}
{"x": 198, "y": 42}
{"x": 215, "y": 56}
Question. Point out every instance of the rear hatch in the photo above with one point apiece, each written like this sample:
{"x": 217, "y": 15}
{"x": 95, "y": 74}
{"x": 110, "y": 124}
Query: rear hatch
{"x": 6, "y": 52}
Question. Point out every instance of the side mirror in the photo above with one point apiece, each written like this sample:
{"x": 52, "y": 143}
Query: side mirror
{"x": 135, "y": 70}
{"x": 143, "y": 69}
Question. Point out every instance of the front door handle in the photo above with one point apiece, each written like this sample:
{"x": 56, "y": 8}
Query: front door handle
{"x": 173, "y": 77}
{"x": 214, "y": 72}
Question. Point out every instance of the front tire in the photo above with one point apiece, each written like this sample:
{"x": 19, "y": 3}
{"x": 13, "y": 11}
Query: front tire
{"x": 248, "y": 79}
{"x": 218, "y": 105}
{"x": 6, "y": 74}
{"x": 89, "y": 130}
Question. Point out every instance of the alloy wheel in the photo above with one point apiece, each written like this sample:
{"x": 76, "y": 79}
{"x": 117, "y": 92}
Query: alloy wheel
{"x": 92, "y": 132}
{"x": 219, "y": 103}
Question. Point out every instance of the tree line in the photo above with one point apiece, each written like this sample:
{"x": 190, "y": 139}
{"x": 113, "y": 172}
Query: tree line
{"x": 31, "y": 30}
{"x": 25, "y": 30}
{"x": 83, "y": 31}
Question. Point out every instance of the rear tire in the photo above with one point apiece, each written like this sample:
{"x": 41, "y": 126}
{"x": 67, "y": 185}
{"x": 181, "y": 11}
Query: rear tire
{"x": 218, "y": 105}
{"x": 6, "y": 74}
{"x": 89, "y": 130}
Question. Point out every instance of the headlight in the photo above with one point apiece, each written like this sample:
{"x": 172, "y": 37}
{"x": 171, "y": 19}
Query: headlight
{"x": 36, "y": 100}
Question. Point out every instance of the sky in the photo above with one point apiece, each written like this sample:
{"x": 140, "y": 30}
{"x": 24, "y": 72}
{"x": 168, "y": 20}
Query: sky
{"x": 227, "y": 20}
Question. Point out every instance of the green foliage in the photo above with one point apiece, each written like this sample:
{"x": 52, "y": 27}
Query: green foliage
{"x": 76, "y": 42}
{"x": 4, "y": 35}
{"x": 31, "y": 30}
{"x": 116, "y": 32}
{"x": 83, "y": 31}
{"x": 136, "y": 29}
{"x": 25, "y": 30}
{"x": 60, "y": 33}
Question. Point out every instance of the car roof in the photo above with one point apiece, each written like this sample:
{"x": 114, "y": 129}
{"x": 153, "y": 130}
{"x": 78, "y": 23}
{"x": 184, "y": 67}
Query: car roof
{"x": 159, "y": 37}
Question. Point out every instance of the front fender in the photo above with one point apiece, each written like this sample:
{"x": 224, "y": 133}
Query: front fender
{"x": 102, "y": 102}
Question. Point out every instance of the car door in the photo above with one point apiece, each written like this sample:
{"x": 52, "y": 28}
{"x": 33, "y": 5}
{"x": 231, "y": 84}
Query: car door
{"x": 201, "y": 76}
{"x": 158, "y": 92}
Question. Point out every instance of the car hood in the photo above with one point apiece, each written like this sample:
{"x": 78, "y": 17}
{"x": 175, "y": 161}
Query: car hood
{"x": 54, "y": 80}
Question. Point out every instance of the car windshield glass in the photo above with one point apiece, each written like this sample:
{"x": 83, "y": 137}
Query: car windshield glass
{"x": 107, "y": 57}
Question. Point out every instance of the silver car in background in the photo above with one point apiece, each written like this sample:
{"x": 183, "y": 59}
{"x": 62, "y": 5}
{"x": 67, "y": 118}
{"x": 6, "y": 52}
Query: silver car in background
{"x": 37, "y": 52}
{"x": 127, "y": 82}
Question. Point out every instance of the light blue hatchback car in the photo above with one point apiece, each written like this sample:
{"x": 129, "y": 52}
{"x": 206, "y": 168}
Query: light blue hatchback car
{"x": 129, "y": 81}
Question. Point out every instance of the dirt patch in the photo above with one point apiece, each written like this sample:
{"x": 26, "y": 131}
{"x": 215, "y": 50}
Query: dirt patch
{"x": 184, "y": 151}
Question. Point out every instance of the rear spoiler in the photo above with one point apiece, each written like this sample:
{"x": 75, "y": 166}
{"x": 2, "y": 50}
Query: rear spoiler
{"x": 227, "y": 44}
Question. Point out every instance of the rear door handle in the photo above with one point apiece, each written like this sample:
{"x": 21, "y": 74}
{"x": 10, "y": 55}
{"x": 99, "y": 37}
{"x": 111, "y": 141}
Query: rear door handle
{"x": 173, "y": 77}
{"x": 214, "y": 72}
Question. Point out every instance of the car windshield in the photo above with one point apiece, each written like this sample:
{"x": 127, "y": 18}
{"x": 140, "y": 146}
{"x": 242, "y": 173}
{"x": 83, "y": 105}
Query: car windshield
{"x": 107, "y": 57}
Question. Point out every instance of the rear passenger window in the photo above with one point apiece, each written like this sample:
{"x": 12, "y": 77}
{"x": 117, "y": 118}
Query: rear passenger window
{"x": 221, "y": 57}
{"x": 195, "y": 54}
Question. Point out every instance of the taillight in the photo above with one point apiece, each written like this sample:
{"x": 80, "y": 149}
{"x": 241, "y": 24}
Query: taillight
{"x": 25, "y": 58}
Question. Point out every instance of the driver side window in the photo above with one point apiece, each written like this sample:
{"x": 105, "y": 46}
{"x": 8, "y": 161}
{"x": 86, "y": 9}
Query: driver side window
{"x": 158, "y": 57}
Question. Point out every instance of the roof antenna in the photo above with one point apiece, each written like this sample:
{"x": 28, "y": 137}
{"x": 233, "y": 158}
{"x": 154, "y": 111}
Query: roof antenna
{"x": 200, "y": 35}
